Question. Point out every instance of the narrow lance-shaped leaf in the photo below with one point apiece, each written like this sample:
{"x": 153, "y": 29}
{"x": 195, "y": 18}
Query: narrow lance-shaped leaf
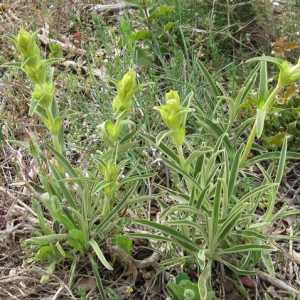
{"x": 100, "y": 254}
{"x": 172, "y": 232}
{"x": 97, "y": 276}
{"x": 263, "y": 92}
{"x": 260, "y": 120}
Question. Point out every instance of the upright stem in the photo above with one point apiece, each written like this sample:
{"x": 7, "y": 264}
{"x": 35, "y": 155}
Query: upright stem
{"x": 248, "y": 145}
{"x": 271, "y": 98}
{"x": 181, "y": 156}
{"x": 267, "y": 104}
{"x": 54, "y": 135}
{"x": 182, "y": 162}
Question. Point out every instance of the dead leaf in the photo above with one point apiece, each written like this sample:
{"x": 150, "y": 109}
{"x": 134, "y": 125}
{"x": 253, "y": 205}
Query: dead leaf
{"x": 86, "y": 283}
{"x": 248, "y": 281}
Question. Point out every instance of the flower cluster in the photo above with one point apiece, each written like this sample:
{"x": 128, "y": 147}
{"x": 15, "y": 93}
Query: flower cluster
{"x": 121, "y": 105}
{"x": 174, "y": 116}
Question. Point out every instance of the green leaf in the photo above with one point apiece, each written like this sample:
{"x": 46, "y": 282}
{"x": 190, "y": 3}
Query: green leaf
{"x": 76, "y": 239}
{"x": 51, "y": 61}
{"x": 61, "y": 116}
{"x": 271, "y": 59}
{"x": 37, "y": 188}
{"x": 181, "y": 239}
{"x": 251, "y": 234}
{"x": 268, "y": 263}
{"x": 38, "y": 209}
{"x": 191, "y": 291}
{"x": 129, "y": 135}
{"x": 209, "y": 79}
{"x": 64, "y": 162}
{"x": 144, "y": 198}
{"x": 51, "y": 253}
{"x": 215, "y": 130}
{"x": 281, "y": 164}
{"x": 204, "y": 278}
{"x": 150, "y": 237}
{"x": 100, "y": 255}
{"x": 49, "y": 272}
{"x": 59, "y": 212}
{"x": 246, "y": 248}
{"x": 178, "y": 168}
{"x": 161, "y": 10}
{"x": 121, "y": 149}
{"x": 115, "y": 210}
{"x": 277, "y": 140}
{"x": 51, "y": 238}
{"x": 292, "y": 128}
{"x": 82, "y": 224}
{"x": 144, "y": 56}
{"x": 140, "y": 35}
{"x": 60, "y": 249}
{"x": 167, "y": 151}
{"x": 181, "y": 277}
{"x": 232, "y": 109}
{"x": 124, "y": 242}
{"x": 169, "y": 26}
{"x": 162, "y": 135}
{"x": 247, "y": 87}
{"x": 234, "y": 172}
{"x": 235, "y": 269}
{"x": 263, "y": 92}
{"x": 197, "y": 154}
{"x": 180, "y": 208}
{"x": 12, "y": 65}
{"x": 97, "y": 276}
{"x": 216, "y": 207}
{"x": 175, "y": 291}
{"x": 271, "y": 156}
{"x": 260, "y": 120}
{"x": 33, "y": 106}
{"x": 229, "y": 224}
{"x": 134, "y": 178}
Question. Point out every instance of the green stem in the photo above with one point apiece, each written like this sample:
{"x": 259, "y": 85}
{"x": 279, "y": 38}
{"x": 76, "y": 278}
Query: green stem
{"x": 248, "y": 145}
{"x": 106, "y": 207}
{"x": 271, "y": 98}
{"x": 54, "y": 135}
{"x": 250, "y": 141}
{"x": 109, "y": 196}
{"x": 186, "y": 169}
{"x": 181, "y": 156}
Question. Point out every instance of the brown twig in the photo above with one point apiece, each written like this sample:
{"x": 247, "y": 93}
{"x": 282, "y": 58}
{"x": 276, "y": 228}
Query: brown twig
{"x": 277, "y": 283}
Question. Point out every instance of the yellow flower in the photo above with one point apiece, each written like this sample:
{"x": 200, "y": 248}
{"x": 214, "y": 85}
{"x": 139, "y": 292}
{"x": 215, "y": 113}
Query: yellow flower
{"x": 26, "y": 45}
{"x": 173, "y": 114}
{"x": 288, "y": 73}
{"x": 44, "y": 93}
{"x": 128, "y": 81}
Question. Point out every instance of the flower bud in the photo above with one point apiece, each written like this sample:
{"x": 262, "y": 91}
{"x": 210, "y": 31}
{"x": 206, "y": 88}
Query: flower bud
{"x": 108, "y": 133}
{"x": 128, "y": 81}
{"x": 44, "y": 93}
{"x": 126, "y": 89}
{"x": 25, "y": 43}
{"x": 173, "y": 95}
{"x": 38, "y": 74}
{"x": 33, "y": 61}
{"x": 111, "y": 172}
{"x": 173, "y": 114}
{"x": 288, "y": 73}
